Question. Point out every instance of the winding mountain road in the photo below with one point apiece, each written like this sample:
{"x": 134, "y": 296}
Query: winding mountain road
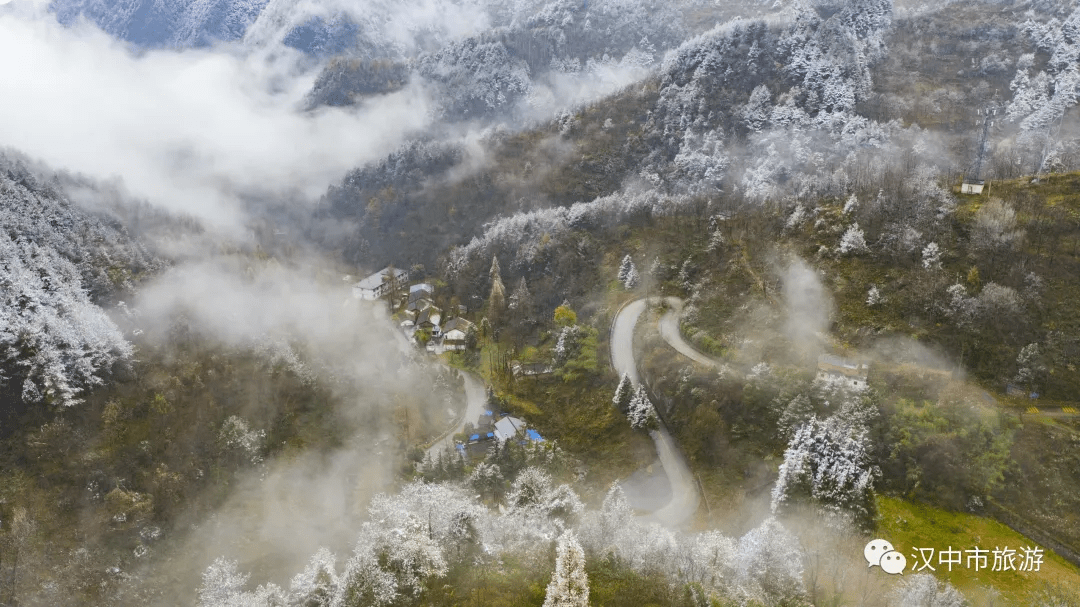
{"x": 669, "y": 330}
{"x": 475, "y": 393}
{"x": 475, "y": 399}
{"x": 684, "y": 492}
{"x": 684, "y": 498}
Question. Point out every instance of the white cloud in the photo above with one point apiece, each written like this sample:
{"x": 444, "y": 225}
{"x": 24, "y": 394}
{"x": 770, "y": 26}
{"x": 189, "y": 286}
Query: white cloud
{"x": 188, "y": 130}
{"x": 393, "y": 25}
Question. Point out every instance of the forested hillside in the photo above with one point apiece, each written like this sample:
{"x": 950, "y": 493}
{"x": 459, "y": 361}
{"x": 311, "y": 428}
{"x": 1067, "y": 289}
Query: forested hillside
{"x": 681, "y": 303}
{"x": 60, "y": 264}
{"x": 822, "y": 109}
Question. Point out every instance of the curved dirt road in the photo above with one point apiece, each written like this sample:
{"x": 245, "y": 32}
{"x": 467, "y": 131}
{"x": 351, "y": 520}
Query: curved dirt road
{"x": 669, "y": 330}
{"x": 475, "y": 399}
{"x": 475, "y": 394}
{"x": 684, "y": 498}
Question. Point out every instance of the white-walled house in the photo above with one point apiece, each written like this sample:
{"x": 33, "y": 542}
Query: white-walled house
{"x": 972, "y": 187}
{"x": 853, "y": 373}
{"x": 378, "y": 284}
{"x": 454, "y": 333}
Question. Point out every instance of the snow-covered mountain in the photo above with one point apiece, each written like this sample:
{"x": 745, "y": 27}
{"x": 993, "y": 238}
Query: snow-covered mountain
{"x": 376, "y": 28}
{"x": 164, "y": 24}
{"x": 370, "y": 29}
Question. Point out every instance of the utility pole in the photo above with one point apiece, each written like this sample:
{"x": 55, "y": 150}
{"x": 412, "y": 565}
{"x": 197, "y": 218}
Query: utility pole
{"x": 980, "y": 158}
{"x": 988, "y": 113}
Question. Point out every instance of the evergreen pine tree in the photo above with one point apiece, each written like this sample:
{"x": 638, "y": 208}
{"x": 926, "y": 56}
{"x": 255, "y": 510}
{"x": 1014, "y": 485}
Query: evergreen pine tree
{"x": 623, "y": 394}
{"x": 641, "y": 412}
{"x": 497, "y": 298}
{"x": 569, "y": 586}
{"x": 624, "y": 268}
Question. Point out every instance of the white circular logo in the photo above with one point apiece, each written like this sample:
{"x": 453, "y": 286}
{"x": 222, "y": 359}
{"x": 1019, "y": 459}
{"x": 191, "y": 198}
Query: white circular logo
{"x": 893, "y": 562}
{"x": 874, "y": 551}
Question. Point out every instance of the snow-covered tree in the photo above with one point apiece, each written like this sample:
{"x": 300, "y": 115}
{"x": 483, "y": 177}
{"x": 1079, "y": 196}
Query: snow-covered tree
{"x": 530, "y": 489}
{"x": 768, "y": 564}
{"x": 632, "y": 279}
{"x": 533, "y": 496}
{"x": 1030, "y": 366}
{"x": 624, "y": 393}
{"x": 851, "y": 205}
{"x": 716, "y": 241}
{"x": 364, "y": 582}
{"x": 569, "y": 586}
{"x": 931, "y": 256}
{"x": 624, "y": 268}
{"x": 995, "y": 228}
{"x": 562, "y": 505}
{"x": 756, "y": 111}
{"x": 236, "y": 437}
{"x": 708, "y": 559}
{"x": 1040, "y": 102}
{"x": 486, "y": 478}
{"x": 853, "y": 240}
{"x": 798, "y": 215}
{"x": 315, "y": 586}
{"x": 407, "y": 542}
{"x": 222, "y": 584}
{"x": 924, "y": 590}
{"x": 615, "y": 512}
{"x": 521, "y": 298}
{"x": 656, "y": 268}
{"x": 701, "y": 162}
{"x": 794, "y": 414}
{"x": 476, "y": 76}
{"x": 567, "y": 344}
{"x": 496, "y": 300}
{"x": 641, "y": 412}
{"x": 412, "y": 554}
{"x": 997, "y": 303}
{"x": 827, "y": 462}
{"x": 874, "y": 297}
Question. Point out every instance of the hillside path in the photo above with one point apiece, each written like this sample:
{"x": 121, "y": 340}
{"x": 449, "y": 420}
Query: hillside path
{"x": 684, "y": 498}
{"x": 475, "y": 399}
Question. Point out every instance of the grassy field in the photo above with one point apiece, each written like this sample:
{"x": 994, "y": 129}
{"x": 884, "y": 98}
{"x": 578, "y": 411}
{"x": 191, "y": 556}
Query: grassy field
{"x": 909, "y": 525}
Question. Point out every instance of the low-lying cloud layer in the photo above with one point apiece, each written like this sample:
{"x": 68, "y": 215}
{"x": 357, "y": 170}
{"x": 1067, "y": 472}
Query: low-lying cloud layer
{"x": 808, "y": 307}
{"x": 190, "y": 130}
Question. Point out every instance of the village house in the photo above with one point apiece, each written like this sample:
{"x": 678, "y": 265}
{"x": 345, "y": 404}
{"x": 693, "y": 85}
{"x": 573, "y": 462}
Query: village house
{"x": 415, "y": 307}
{"x": 454, "y": 333}
{"x": 837, "y": 367}
{"x": 506, "y": 428}
{"x": 974, "y": 186}
{"x": 511, "y": 427}
{"x": 428, "y": 319}
{"x": 380, "y": 283}
{"x": 421, "y": 297}
{"x": 421, "y": 291}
